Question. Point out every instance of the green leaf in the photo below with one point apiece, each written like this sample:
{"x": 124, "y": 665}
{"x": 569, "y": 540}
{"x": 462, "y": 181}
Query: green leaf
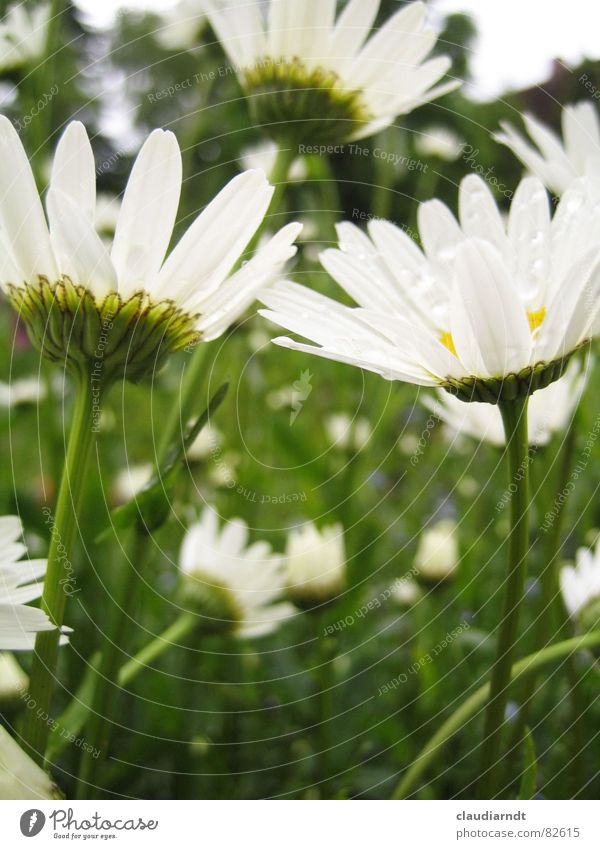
{"x": 529, "y": 774}
{"x": 149, "y": 509}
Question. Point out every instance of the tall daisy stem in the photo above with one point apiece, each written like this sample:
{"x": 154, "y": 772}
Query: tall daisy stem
{"x": 475, "y": 702}
{"x": 63, "y": 525}
{"x": 121, "y": 607}
{"x": 514, "y": 416}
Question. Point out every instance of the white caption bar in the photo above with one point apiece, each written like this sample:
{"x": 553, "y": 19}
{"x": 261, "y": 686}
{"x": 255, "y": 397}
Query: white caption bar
{"x": 298, "y": 824}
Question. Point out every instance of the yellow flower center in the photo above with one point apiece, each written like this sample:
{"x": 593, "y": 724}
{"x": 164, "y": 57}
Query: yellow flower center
{"x": 448, "y": 342}
{"x": 536, "y": 319}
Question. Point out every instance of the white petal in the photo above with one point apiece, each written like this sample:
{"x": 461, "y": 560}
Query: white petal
{"x": 529, "y": 236}
{"x": 574, "y": 309}
{"x": 301, "y": 30}
{"x": 439, "y": 231}
{"x": 493, "y": 329}
{"x": 233, "y": 297}
{"x": 73, "y": 168}
{"x": 556, "y": 176}
{"x": 351, "y": 29}
{"x": 82, "y": 253}
{"x": 581, "y": 131}
{"x": 217, "y": 238}
{"x": 147, "y": 215}
{"x": 11, "y": 530}
{"x": 382, "y": 365}
{"x": 479, "y": 214}
{"x": 21, "y": 213}
{"x": 390, "y": 48}
{"x": 240, "y": 31}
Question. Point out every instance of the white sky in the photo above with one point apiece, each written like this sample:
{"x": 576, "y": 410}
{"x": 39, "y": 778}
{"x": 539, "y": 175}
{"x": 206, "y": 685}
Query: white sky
{"x": 518, "y": 38}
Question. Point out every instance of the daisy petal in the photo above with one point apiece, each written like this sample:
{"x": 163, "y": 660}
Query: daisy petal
{"x": 489, "y": 324}
{"x": 21, "y": 214}
{"x": 147, "y": 216}
{"x": 73, "y": 168}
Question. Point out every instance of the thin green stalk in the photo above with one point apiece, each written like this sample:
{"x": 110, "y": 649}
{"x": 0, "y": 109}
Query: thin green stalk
{"x": 43, "y": 83}
{"x": 330, "y": 210}
{"x": 279, "y": 176}
{"x": 104, "y": 690}
{"x": 514, "y": 416}
{"x": 64, "y": 525}
{"x": 477, "y": 700}
{"x": 173, "y": 635}
{"x": 71, "y": 721}
{"x": 180, "y": 414}
{"x": 552, "y": 620}
{"x": 324, "y": 676}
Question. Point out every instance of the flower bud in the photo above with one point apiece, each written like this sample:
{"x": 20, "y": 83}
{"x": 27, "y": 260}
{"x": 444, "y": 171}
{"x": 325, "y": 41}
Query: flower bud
{"x": 315, "y": 564}
{"x": 437, "y": 554}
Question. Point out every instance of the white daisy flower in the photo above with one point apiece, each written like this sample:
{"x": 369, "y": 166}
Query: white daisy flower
{"x": 437, "y": 552}
{"x": 26, "y": 390}
{"x": 580, "y": 584}
{"x": 440, "y": 142}
{"x": 235, "y": 585}
{"x": 299, "y": 65}
{"x": 23, "y": 34}
{"x": 19, "y": 585}
{"x": 550, "y": 411}
{"x": 558, "y": 162}
{"x": 315, "y": 563}
{"x": 20, "y": 776}
{"x": 138, "y": 304}
{"x": 488, "y": 309}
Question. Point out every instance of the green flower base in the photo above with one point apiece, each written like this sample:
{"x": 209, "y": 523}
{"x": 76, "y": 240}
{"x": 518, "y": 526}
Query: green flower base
{"x": 109, "y": 339}
{"x": 511, "y": 386}
{"x": 294, "y": 104}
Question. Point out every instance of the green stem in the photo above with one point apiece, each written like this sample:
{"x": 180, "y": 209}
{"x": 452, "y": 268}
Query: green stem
{"x": 325, "y": 654}
{"x": 551, "y": 619}
{"x": 476, "y": 701}
{"x": 43, "y": 79}
{"x": 180, "y": 414}
{"x": 63, "y": 525}
{"x": 173, "y": 635}
{"x": 514, "y": 416}
{"x": 286, "y": 156}
{"x": 71, "y": 721}
{"x": 105, "y": 686}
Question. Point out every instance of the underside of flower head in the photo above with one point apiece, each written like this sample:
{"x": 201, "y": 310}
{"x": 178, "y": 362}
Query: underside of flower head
{"x": 509, "y": 387}
{"x": 293, "y": 102}
{"x": 115, "y": 337}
